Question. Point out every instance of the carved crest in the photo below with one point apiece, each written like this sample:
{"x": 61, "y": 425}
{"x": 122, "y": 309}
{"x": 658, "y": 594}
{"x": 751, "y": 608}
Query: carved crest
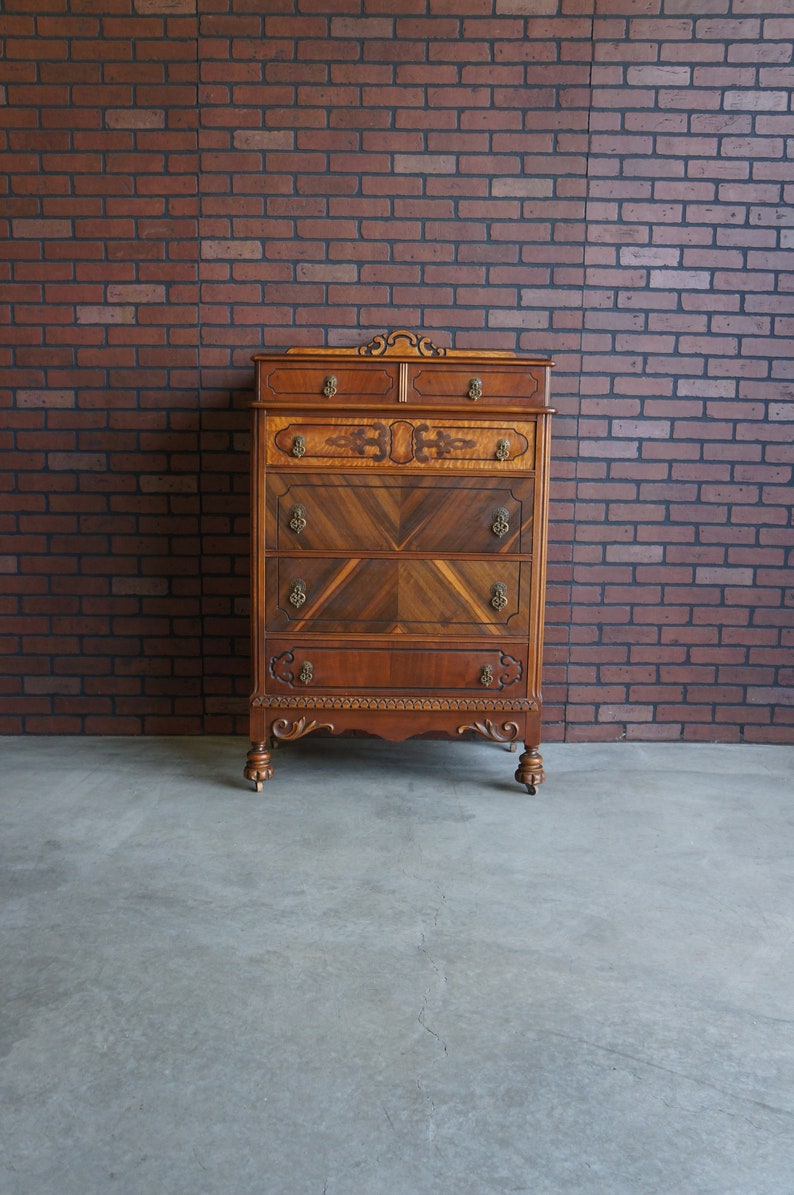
{"x": 398, "y": 342}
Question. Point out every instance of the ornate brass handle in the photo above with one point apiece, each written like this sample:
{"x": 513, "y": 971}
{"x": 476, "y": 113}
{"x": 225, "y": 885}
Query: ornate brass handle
{"x": 499, "y": 596}
{"x": 500, "y": 525}
{"x": 475, "y": 389}
{"x": 502, "y": 449}
{"x": 297, "y": 594}
{"x": 329, "y": 386}
{"x": 299, "y": 446}
{"x": 306, "y": 673}
{"x": 486, "y": 675}
{"x": 297, "y": 519}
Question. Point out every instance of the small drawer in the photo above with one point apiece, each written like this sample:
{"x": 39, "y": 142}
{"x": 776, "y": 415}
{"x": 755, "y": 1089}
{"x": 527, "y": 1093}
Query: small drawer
{"x": 444, "y": 444}
{"x": 304, "y": 668}
{"x": 364, "y": 513}
{"x": 467, "y": 385}
{"x": 328, "y": 383}
{"x": 398, "y": 596}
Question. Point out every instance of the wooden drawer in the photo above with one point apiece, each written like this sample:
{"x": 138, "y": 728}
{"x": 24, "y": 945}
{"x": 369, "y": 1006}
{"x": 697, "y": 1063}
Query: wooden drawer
{"x": 399, "y": 596}
{"x": 465, "y": 384}
{"x": 384, "y": 513}
{"x": 329, "y": 383}
{"x": 304, "y": 669}
{"x": 444, "y": 443}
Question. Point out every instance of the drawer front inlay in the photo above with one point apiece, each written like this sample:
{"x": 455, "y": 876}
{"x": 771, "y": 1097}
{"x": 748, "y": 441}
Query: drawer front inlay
{"x": 484, "y": 444}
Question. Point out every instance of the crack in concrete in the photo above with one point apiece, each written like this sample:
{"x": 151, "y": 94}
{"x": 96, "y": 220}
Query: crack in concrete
{"x": 657, "y": 1066}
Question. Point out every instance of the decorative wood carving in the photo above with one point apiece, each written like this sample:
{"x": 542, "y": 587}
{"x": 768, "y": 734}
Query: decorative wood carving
{"x": 286, "y": 730}
{"x": 399, "y": 342}
{"x": 258, "y": 767}
{"x": 426, "y": 705}
{"x": 530, "y": 769}
{"x": 505, "y": 733}
{"x": 280, "y": 667}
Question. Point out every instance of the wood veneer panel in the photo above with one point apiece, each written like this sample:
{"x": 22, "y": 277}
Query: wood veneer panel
{"x": 372, "y": 668}
{"x": 388, "y": 514}
{"x": 398, "y": 596}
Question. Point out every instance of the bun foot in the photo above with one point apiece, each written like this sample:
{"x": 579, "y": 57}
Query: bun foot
{"x": 530, "y": 769}
{"x": 258, "y": 766}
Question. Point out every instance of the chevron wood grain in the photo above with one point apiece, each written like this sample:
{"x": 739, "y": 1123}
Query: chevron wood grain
{"x": 397, "y": 596}
{"x": 418, "y": 514}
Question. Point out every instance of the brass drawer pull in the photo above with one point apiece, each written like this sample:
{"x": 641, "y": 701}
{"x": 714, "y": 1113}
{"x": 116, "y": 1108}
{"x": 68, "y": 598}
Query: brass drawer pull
{"x": 297, "y": 519}
{"x": 475, "y": 389}
{"x": 299, "y": 446}
{"x": 500, "y": 525}
{"x": 297, "y": 594}
{"x": 329, "y": 386}
{"x": 306, "y": 673}
{"x": 486, "y": 675}
{"x": 502, "y": 449}
{"x": 499, "y": 596}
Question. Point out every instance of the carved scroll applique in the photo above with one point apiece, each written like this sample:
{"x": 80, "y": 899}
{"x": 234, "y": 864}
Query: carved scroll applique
{"x": 506, "y": 733}
{"x": 286, "y": 731}
{"x": 387, "y": 344}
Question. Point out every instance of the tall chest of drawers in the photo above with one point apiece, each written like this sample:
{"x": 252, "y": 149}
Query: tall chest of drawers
{"x": 399, "y": 514}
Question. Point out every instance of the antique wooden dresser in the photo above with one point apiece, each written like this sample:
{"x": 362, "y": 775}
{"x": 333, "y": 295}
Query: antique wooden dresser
{"x": 399, "y": 510}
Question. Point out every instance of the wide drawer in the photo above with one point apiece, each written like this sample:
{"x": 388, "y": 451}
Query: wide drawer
{"x": 446, "y": 444}
{"x": 398, "y": 596}
{"x": 295, "y": 668}
{"x": 364, "y": 513}
{"x": 488, "y": 385}
{"x": 328, "y": 382}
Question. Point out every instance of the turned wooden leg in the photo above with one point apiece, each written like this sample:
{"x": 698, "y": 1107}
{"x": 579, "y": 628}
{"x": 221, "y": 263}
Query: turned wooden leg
{"x": 530, "y": 769}
{"x": 258, "y": 766}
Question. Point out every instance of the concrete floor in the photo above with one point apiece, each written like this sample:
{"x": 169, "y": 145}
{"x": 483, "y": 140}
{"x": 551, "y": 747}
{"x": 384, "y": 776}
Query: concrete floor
{"x": 394, "y": 973}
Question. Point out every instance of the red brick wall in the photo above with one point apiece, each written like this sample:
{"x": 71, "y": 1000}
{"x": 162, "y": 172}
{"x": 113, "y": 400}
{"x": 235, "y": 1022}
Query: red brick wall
{"x": 683, "y": 603}
{"x": 101, "y": 585}
{"x": 606, "y": 180}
